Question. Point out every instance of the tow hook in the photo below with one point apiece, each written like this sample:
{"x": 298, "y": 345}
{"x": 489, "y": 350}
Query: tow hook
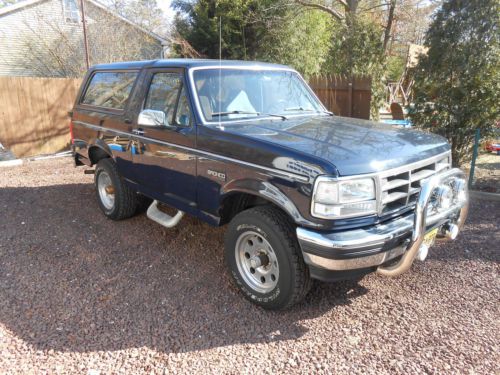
{"x": 89, "y": 171}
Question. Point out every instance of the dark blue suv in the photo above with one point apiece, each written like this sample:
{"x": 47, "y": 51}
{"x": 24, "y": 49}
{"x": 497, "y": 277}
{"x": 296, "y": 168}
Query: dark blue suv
{"x": 305, "y": 194}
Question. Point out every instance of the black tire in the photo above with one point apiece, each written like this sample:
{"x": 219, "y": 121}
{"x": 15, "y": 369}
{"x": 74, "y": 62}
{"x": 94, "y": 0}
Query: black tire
{"x": 293, "y": 282}
{"x": 143, "y": 203}
{"x": 125, "y": 199}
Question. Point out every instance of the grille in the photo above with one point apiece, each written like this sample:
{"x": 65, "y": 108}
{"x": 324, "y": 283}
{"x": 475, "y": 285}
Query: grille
{"x": 399, "y": 187}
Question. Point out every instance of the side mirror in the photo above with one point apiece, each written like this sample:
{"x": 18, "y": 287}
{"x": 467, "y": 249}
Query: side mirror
{"x": 150, "y": 117}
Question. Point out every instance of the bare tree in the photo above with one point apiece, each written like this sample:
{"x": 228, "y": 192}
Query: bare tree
{"x": 145, "y": 13}
{"x": 4, "y": 3}
{"x": 346, "y": 11}
{"x": 58, "y": 50}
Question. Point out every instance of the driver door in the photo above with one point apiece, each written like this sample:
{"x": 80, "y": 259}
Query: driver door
{"x": 165, "y": 168}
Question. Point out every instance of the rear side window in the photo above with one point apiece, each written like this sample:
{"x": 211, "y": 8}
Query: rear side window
{"x": 109, "y": 89}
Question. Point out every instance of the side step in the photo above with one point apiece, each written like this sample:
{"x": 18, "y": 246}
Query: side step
{"x": 162, "y": 218}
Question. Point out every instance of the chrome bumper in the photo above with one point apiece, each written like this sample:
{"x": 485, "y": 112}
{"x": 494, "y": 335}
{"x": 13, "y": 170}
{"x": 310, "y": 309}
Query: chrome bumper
{"x": 376, "y": 245}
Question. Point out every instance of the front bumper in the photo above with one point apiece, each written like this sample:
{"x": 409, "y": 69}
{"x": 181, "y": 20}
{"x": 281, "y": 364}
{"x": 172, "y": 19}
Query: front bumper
{"x": 372, "y": 247}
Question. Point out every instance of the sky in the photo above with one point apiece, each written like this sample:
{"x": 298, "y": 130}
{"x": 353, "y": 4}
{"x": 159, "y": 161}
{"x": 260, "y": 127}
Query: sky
{"x": 164, "y": 5}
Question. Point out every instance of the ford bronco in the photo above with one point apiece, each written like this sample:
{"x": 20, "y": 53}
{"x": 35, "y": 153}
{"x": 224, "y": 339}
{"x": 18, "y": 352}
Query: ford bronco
{"x": 306, "y": 194}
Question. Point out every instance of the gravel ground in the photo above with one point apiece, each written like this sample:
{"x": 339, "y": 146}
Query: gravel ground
{"x": 83, "y": 294}
{"x": 487, "y": 173}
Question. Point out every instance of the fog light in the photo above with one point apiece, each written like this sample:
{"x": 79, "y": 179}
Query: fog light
{"x": 423, "y": 251}
{"x": 444, "y": 197}
{"x": 451, "y": 231}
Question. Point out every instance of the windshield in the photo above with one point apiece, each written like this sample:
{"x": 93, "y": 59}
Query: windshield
{"x": 252, "y": 93}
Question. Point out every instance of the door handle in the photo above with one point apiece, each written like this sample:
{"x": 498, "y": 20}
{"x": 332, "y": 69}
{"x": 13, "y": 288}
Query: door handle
{"x": 138, "y": 131}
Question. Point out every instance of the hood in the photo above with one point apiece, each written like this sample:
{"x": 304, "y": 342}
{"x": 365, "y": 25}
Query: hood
{"x": 353, "y": 146}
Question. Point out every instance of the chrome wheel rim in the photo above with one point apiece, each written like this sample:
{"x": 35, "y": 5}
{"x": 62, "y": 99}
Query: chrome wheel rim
{"x": 104, "y": 185}
{"x": 257, "y": 262}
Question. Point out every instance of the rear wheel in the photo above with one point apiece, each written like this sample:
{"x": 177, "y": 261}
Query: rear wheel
{"x": 116, "y": 199}
{"x": 264, "y": 258}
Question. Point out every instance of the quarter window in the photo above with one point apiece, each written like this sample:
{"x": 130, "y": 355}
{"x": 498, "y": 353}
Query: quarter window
{"x": 167, "y": 94}
{"x": 183, "y": 113}
{"x": 110, "y": 89}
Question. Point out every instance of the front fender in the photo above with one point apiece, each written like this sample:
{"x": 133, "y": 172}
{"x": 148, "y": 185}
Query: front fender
{"x": 267, "y": 191}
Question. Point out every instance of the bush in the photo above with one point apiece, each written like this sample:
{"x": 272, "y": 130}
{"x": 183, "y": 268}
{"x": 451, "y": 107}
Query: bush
{"x": 458, "y": 81}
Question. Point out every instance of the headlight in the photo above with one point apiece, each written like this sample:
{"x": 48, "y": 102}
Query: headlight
{"x": 336, "y": 199}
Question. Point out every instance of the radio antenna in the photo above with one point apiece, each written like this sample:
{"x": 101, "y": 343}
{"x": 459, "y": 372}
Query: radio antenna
{"x": 220, "y": 70}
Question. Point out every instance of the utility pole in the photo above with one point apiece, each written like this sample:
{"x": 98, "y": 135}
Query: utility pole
{"x": 85, "y": 41}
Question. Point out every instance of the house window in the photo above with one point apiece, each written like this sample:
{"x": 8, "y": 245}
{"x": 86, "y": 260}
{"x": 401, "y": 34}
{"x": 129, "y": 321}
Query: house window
{"x": 70, "y": 9}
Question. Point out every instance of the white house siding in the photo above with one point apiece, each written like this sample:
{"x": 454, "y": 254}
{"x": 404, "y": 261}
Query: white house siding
{"x": 20, "y": 26}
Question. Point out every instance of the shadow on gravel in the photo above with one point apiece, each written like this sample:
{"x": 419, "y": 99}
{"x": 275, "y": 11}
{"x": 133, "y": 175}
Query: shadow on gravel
{"x": 479, "y": 238}
{"x": 72, "y": 280}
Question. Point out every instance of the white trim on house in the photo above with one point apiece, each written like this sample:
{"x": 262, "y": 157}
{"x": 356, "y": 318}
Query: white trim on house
{"x": 20, "y": 5}
{"x": 27, "y": 3}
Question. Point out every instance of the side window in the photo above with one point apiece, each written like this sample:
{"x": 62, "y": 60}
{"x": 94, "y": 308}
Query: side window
{"x": 109, "y": 89}
{"x": 164, "y": 96}
{"x": 163, "y": 93}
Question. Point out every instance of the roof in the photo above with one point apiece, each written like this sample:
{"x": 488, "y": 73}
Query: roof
{"x": 27, "y": 3}
{"x": 186, "y": 63}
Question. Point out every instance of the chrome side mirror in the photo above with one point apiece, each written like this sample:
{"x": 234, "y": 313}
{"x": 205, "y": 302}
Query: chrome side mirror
{"x": 151, "y": 117}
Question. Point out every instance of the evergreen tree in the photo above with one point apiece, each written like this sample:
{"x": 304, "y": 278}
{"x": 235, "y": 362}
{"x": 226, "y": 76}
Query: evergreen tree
{"x": 256, "y": 30}
{"x": 457, "y": 83}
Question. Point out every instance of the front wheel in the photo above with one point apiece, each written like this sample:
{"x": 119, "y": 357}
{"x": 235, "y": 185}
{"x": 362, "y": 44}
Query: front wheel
{"x": 264, "y": 258}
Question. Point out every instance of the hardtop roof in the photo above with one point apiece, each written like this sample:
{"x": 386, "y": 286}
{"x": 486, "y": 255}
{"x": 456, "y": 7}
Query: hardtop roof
{"x": 184, "y": 63}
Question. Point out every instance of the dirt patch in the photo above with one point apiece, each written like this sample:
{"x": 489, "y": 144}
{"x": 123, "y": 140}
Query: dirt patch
{"x": 487, "y": 173}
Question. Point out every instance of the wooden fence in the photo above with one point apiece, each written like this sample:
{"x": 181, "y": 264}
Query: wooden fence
{"x": 34, "y": 111}
{"x": 344, "y": 96}
{"x": 34, "y": 114}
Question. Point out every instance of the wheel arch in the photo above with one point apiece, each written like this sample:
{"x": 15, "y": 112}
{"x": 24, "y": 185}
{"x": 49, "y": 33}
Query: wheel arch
{"x": 98, "y": 150}
{"x": 243, "y": 194}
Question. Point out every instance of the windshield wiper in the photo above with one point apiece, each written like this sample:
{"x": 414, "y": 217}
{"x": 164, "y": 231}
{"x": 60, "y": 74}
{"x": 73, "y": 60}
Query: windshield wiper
{"x": 308, "y": 110}
{"x": 236, "y": 112}
{"x": 299, "y": 109}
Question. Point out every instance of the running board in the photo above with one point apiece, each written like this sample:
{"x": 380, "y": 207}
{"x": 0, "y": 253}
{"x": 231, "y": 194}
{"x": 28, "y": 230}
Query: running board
{"x": 162, "y": 218}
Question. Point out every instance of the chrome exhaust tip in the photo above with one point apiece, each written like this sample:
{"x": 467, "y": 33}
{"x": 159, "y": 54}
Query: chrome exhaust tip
{"x": 422, "y": 253}
{"x": 451, "y": 231}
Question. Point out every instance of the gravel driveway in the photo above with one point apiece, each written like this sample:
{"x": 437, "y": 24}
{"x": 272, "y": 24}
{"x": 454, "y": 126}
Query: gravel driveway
{"x": 82, "y": 294}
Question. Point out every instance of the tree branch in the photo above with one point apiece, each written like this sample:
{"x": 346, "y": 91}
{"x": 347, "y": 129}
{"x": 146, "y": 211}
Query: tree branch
{"x": 388, "y": 28}
{"x": 323, "y": 8}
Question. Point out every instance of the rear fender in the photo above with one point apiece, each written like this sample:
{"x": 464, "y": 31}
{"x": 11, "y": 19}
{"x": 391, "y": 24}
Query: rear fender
{"x": 98, "y": 149}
